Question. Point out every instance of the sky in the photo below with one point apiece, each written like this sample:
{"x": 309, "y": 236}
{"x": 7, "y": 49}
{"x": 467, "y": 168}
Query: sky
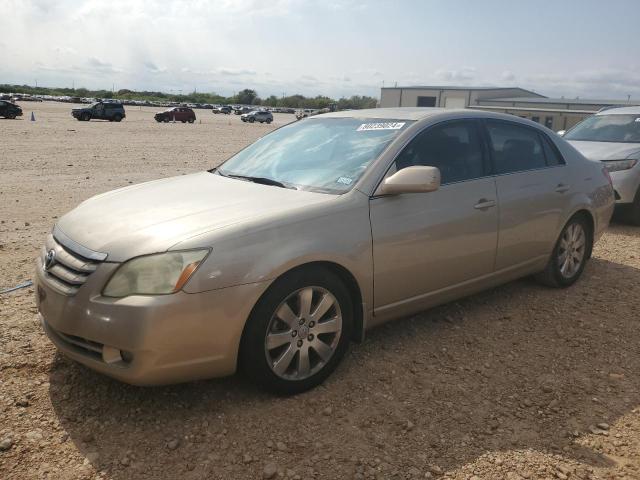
{"x": 585, "y": 48}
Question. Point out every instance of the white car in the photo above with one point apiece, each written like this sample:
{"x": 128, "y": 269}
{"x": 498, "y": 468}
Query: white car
{"x": 613, "y": 137}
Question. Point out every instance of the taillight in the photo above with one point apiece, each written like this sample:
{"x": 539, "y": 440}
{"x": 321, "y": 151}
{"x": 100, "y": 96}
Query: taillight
{"x": 608, "y": 175}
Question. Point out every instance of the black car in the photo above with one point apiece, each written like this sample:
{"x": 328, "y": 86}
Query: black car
{"x": 9, "y": 110}
{"x": 114, "y": 112}
{"x": 223, "y": 109}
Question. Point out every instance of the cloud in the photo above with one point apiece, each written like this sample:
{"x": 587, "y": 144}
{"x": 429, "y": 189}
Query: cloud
{"x": 462, "y": 75}
{"x": 152, "y": 67}
{"x": 589, "y": 83}
{"x": 234, "y": 72}
{"x": 508, "y": 76}
{"x": 98, "y": 65}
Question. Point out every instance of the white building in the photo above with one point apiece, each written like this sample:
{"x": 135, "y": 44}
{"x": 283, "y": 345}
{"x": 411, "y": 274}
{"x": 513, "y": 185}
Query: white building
{"x": 554, "y": 113}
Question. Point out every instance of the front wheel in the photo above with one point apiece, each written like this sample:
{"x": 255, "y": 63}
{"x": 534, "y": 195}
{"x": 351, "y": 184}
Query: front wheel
{"x": 569, "y": 255}
{"x": 298, "y": 331}
{"x": 85, "y": 117}
{"x": 251, "y": 120}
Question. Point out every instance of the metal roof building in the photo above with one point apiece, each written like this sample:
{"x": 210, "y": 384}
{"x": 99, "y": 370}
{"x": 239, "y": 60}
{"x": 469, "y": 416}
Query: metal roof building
{"x": 555, "y": 113}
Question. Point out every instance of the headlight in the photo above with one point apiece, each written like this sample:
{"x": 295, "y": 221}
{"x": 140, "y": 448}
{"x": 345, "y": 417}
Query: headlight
{"x": 617, "y": 165}
{"x": 157, "y": 274}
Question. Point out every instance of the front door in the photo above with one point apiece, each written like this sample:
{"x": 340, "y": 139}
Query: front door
{"x": 425, "y": 243}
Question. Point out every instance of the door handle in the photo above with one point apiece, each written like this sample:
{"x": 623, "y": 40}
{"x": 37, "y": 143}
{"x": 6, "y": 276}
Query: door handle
{"x": 561, "y": 188}
{"x": 483, "y": 204}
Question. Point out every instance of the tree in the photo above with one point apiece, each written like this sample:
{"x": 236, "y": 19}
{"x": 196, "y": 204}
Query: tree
{"x": 246, "y": 96}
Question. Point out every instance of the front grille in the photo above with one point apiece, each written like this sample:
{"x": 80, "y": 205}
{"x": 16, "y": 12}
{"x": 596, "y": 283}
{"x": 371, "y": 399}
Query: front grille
{"x": 69, "y": 270}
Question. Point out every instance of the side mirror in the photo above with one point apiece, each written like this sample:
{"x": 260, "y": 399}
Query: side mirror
{"x": 561, "y": 132}
{"x": 417, "y": 179}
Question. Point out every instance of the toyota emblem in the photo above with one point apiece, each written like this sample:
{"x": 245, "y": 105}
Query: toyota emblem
{"x": 50, "y": 259}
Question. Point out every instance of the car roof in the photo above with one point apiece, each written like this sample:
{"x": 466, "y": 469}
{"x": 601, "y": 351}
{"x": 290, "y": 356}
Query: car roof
{"x": 400, "y": 113}
{"x": 621, "y": 111}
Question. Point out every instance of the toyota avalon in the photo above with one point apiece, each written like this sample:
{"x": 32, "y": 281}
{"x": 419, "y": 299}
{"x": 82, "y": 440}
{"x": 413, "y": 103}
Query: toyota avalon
{"x": 273, "y": 262}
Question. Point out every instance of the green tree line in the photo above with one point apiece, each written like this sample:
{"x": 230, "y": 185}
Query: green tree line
{"x": 245, "y": 97}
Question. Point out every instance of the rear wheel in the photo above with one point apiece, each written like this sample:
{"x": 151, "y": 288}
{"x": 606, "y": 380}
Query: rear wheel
{"x": 268, "y": 120}
{"x": 298, "y": 331}
{"x": 570, "y": 254}
{"x": 117, "y": 117}
{"x": 192, "y": 119}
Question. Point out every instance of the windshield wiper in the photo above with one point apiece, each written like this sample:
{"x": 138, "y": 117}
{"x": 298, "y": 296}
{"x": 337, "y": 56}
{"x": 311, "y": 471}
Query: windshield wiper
{"x": 260, "y": 180}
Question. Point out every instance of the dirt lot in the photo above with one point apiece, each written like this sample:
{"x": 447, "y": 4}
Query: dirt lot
{"x": 518, "y": 382}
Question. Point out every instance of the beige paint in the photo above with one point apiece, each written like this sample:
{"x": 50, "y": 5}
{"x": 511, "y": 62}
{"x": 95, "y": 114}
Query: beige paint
{"x": 406, "y": 252}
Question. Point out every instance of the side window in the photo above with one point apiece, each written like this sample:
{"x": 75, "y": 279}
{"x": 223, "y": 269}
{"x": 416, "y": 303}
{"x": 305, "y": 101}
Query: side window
{"x": 455, "y": 148}
{"x": 551, "y": 154}
{"x": 515, "y": 148}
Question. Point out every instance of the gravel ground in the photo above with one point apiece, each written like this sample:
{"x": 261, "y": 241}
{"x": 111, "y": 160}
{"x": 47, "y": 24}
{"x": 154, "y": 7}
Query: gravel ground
{"x": 517, "y": 382}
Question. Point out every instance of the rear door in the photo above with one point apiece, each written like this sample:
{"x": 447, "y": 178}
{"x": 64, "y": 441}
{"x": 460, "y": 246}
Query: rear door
{"x": 533, "y": 192}
{"x": 425, "y": 242}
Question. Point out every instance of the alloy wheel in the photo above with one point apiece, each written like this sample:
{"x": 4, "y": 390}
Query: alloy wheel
{"x": 303, "y": 333}
{"x": 572, "y": 249}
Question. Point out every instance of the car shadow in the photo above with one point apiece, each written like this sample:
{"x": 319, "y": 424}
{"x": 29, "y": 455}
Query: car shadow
{"x": 514, "y": 368}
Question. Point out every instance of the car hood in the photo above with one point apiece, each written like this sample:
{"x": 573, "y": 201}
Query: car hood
{"x": 606, "y": 150}
{"x": 152, "y": 217}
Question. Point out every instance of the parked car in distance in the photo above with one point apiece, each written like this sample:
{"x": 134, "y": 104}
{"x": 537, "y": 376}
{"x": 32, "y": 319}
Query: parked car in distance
{"x": 241, "y": 110}
{"x": 9, "y": 109}
{"x": 612, "y": 136}
{"x": 177, "y": 114}
{"x": 261, "y": 116}
{"x": 304, "y": 113}
{"x": 274, "y": 261}
{"x": 112, "y": 111}
{"x": 223, "y": 109}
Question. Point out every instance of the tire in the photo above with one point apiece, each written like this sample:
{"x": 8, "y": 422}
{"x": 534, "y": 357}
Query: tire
{"x": 191, "y": 120}
{"x": 252, "y": 120}
{"x": 280, "y": 367}
{"x": 183, "y": 121}
{"x": 11, "y": 116}
{"x": 268, "y": 120}
{"x": 558, "y": 273}
{"x": 117, "y": 117}
{"x": 166, "y": 119}
{"x": 85, "y": 117}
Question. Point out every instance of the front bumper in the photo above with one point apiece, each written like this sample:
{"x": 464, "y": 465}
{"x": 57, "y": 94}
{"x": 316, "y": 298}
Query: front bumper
{"x": 626, "y": 184}
{"x": 147, "y": 340}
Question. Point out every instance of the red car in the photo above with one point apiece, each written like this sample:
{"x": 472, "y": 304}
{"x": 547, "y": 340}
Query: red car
{"x": 179, "y": 114}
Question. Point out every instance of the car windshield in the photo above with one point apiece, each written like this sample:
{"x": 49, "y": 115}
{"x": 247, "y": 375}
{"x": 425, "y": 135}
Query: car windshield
{"x": 607, "y": 128}
{"x": 322, "y": 154}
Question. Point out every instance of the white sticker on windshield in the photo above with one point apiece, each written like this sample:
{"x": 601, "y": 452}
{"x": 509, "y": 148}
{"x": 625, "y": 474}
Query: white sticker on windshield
{"x": 345, "y": 180}
{"x": 380, "y": 126}
{"x": 638, "y": 119}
